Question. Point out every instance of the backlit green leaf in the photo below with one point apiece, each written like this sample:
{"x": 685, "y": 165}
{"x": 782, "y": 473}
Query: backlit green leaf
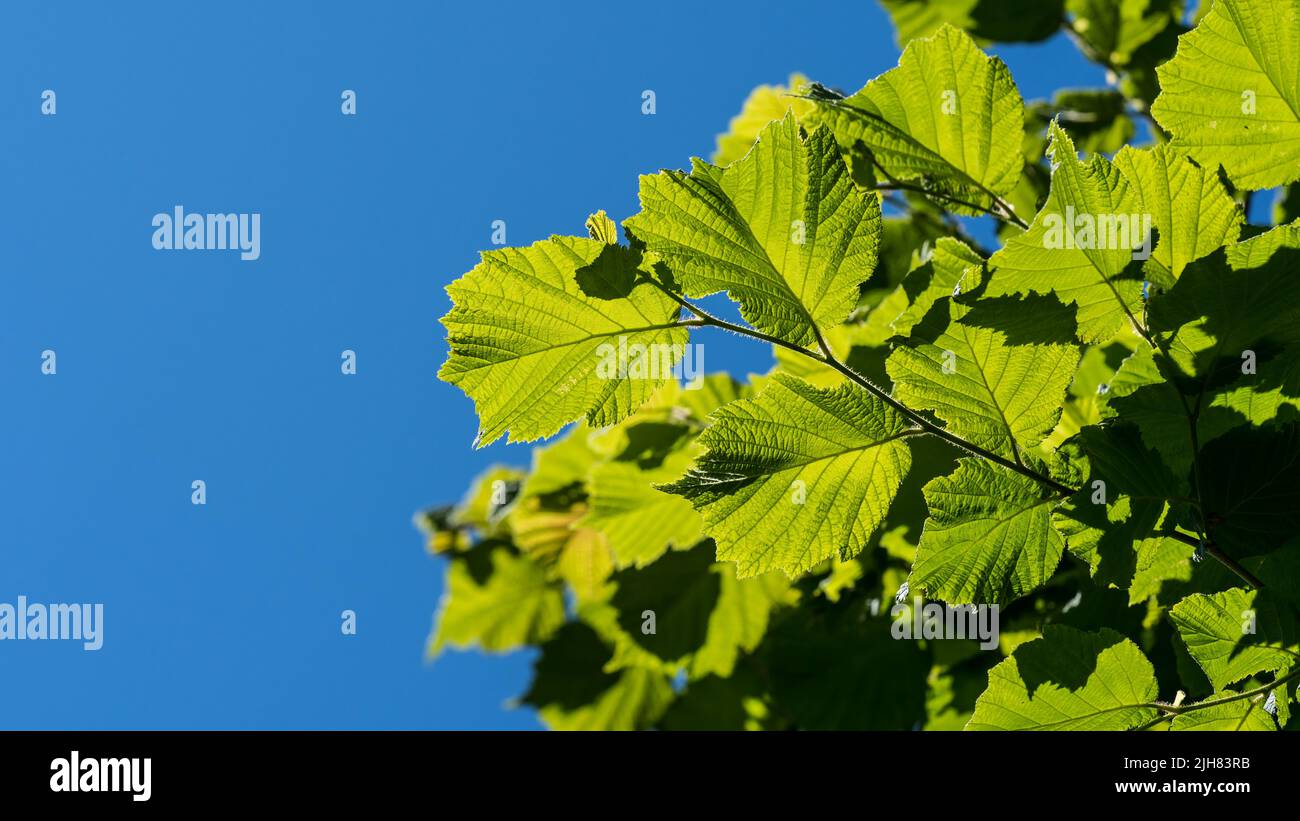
{"x": 1069, "y": 680}
{"x": 1080, "y": 246}
{"x": 783, "y": 231}
{"x": 1231, "y": 95}
{"x": 797, "y": 475}
{"x": 948, "y": 116}
{"x": 528, "y": 343}
{"x": 989, "y": 538}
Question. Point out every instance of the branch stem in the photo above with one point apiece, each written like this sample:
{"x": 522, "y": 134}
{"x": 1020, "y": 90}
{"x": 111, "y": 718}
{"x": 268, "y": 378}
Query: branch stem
{"x": 923, "y": 424}
{"x": 1169, "y": 711}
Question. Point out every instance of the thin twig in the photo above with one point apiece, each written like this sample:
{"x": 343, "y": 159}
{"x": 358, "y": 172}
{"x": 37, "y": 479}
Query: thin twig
{"x": 827, "y": 357}
{"x": 1169, "y": 711}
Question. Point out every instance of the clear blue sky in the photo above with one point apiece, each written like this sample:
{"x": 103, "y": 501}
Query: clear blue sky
{"x": 176, "y": 366}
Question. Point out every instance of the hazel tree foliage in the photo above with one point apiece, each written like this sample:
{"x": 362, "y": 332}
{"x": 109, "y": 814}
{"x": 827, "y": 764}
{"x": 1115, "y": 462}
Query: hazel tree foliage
{"x": 1093, "y": 428}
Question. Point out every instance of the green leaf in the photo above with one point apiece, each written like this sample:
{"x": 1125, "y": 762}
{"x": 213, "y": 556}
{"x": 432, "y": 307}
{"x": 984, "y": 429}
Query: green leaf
{"x": 989, "y": 538}
{"x": 1114, "y": 29}
{"x": 783, "y": 231}
{"x": 764, "y": 104}
{"x": 951, "y": 696}
{"x": 737, "y": 702}
{"x": 739, "y": 621}
{"x": 1139, "y": 82}
{"x": 797, "y": 475}
{"x": 1188, "y": 204}
{"x": 1280, "y": 572}
{"x": 714, "y": 391}
{"x": 665, "y": 607}
{"x": 1069, "y": 680}
{"x": 561, "y": 463}
{"x": 1080, "y": 246}
{"x": 953, "y": 268}
{"x": 999, "y": 396}
{"x": 904, "y": 240}
{"x": 1109, "y": 521}
{"x": 1245, "y": 298}
{"x": 529, "y": 344}
{"x": 639, "y": 520}
{"x": 572, "y": 691}
{"x": 1004, "y": 21}
{"x": 1237, "y": 633}
{"x": 689, "y": 612}
{"x": 1159, "y": 562}
{"x": 948, "y": 116}
{"x": 1088, "y": 391}
{"x": 1140, "y": 394}
{"x": 1250, "y": 488}
{"x": 841, "y": 579}
{"x": 488, "y": 498}
{"x": 844, "y": 671}
{"x": 1230, "y": 96}
{"x": 1242, "y": 715}
{"x": 516, "y": 605}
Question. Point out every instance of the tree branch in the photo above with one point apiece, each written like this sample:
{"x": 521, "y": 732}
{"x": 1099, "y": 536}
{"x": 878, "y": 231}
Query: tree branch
{"x": 1176, "y": 709}
{"x": 827, "y": 357}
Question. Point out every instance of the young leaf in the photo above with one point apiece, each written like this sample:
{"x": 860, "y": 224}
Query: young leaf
{"x": 948, "y": 116}
{"x": 989, "y": 538}
{"x": 1110, "y": 520}
{"x": 640, "y": 521}
{"x": 1250, "y": 488}
{"x": 764, "y": 104}
{"x": 531, "y": 347}
{"x": 515, "y": 606}
{"x": 572, "y": 691}
{"x": 1242, "y": 715}
{"x": 783, "y": 231}
{"x": 999, "y": 396}
{"x": 1188, "y": 204}
{"x": 841, "y": 670}
{"x": 953, "y": 268}
{"x": 1069, "y": 680}
{"x": 797, "y": 475}
{"x": 1231, "y": 97}
{"x": 1080, "y": 246}
{"x": 1237, "y": 633}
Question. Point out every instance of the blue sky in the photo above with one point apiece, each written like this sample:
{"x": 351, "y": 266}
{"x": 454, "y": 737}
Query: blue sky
{"x": 183, "y": 365}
